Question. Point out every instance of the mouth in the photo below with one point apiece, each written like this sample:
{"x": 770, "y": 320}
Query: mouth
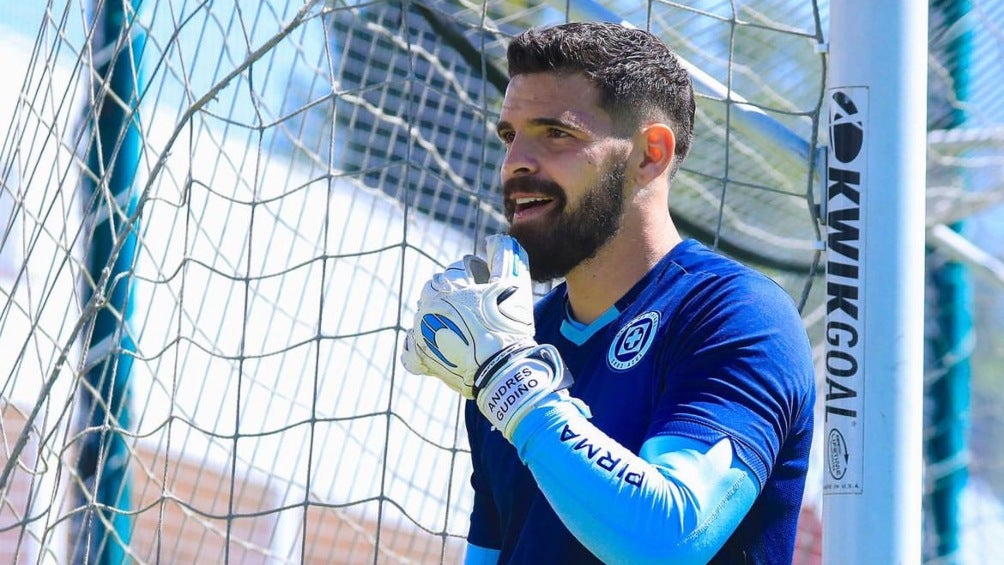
{"x": 528, "y": 198}
{"x": 528, "y": 207}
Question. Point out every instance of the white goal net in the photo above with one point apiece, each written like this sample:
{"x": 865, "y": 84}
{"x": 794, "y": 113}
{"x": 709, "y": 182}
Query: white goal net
{"x": 215, "y": 218}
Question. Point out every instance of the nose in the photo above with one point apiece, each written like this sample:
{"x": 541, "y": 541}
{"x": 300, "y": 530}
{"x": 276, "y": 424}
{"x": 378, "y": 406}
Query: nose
{"x": 520, "y": 159}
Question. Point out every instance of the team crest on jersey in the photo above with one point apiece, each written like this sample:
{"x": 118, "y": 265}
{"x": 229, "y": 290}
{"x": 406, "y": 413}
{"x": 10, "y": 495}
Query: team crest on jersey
{"x": 632, "y": 341}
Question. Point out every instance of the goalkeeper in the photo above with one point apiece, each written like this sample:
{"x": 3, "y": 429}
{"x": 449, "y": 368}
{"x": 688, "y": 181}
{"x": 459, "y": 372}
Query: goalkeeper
{"x": 656, "y": 406}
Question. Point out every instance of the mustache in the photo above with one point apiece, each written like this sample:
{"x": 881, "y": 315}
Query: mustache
{"x": 531, "y": 185}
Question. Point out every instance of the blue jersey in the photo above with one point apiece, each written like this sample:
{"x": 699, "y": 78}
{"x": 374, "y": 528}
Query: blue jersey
{"x": 702, "y": 347}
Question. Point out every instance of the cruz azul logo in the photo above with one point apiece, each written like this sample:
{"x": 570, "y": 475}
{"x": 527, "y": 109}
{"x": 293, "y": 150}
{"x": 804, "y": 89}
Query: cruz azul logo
{"x": 632, "y": 341}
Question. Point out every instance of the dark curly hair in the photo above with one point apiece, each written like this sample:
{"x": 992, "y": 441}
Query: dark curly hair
{"x": 639, "y": 79}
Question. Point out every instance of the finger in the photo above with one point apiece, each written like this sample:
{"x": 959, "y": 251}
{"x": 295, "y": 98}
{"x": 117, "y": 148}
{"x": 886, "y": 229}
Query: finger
{"x": 477, "y": 269}
{"x": 453, "y": 277}
{"x": 429, "y": 292}
{"x": 411, "y": 357}
{"x": 507, "y": 258}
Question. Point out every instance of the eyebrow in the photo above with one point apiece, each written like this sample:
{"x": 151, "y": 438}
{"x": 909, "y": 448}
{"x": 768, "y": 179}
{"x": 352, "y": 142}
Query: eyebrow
{"x": 504, "y": 126}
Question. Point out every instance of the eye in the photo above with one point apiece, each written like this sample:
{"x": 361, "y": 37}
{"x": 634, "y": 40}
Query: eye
{"x": 557, "y": 133}
{"x": 507, "y": 136}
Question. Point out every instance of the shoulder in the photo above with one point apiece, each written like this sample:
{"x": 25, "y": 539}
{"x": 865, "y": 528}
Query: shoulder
{"x": 729, "y": 313}
{"x": 700, "y": 292}
{"x": 717, "y": 284}
{"x": 695, "y": 260}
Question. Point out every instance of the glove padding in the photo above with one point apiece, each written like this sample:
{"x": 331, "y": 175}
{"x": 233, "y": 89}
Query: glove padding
{"x": 469, "y": 313}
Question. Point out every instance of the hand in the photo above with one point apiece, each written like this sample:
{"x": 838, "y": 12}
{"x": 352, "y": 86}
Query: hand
{"x": 474, "y": 331}
{"x": 469, "y": 313}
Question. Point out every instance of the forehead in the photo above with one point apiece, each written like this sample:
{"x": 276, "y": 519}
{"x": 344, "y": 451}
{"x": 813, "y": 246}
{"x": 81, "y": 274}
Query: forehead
{"x": 568, "y": 97}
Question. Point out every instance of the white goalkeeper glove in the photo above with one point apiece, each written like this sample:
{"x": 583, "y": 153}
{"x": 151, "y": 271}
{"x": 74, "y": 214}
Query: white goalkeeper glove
{"x": 470, "y": 312}
{"x": 474, "y": 331}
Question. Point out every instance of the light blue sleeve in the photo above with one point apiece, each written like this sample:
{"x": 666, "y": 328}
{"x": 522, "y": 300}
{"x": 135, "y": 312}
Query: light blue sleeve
{"x": 477, "y": 555}
{"x": 678, "y": 501}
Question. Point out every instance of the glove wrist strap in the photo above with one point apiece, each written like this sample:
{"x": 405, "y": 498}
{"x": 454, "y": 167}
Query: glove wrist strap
{"x": 512, "y": 382}
{"x": 496, "y": 363}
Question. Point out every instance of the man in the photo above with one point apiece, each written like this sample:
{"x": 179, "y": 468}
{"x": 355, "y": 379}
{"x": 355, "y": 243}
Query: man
{"x": 685, "y": 435}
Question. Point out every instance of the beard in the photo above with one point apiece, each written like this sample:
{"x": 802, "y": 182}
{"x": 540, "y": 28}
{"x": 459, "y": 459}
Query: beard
{"x": 560, "y": 242}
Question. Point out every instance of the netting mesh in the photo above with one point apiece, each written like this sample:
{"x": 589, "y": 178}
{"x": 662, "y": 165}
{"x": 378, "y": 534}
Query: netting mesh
{"x": 221, "y": 333}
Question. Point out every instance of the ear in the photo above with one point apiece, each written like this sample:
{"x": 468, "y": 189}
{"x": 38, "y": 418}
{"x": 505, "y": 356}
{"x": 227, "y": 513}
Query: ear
{"x": 657, "y": 143}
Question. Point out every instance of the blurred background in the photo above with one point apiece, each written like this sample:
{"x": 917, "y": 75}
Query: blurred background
{"x": 214, "y": 218}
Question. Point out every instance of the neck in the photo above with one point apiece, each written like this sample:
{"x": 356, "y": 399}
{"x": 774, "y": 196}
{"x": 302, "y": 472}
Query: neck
{"x": 597, "y": 283}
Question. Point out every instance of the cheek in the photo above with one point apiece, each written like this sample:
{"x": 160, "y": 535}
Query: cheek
{"x": 575, "y": 171}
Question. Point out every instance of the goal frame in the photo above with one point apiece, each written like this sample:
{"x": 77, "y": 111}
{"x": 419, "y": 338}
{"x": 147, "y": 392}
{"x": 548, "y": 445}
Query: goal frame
{"x": 873, "y": 463}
